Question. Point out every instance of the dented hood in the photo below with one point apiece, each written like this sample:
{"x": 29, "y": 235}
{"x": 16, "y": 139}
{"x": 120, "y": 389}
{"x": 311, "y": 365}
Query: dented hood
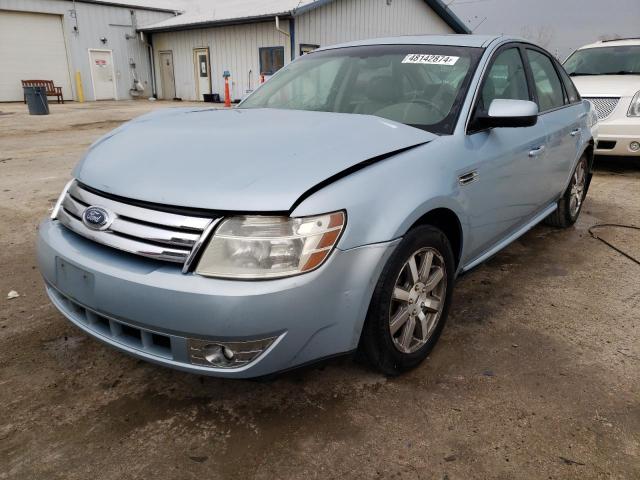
{"x": 236, "y": 160}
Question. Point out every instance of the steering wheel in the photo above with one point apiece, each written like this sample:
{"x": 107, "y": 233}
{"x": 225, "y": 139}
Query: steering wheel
{"x": 430, "y": 104}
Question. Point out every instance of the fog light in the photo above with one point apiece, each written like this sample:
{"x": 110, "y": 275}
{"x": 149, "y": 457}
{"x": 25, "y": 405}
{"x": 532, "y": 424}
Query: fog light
{"x": 216, "y": 355}
{"x": 634, "y": 146}
{"x": 226, "y": 354}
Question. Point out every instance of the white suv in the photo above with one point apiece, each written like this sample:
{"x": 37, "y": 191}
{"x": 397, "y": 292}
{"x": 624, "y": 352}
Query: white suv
{"x": 607, "y": 74}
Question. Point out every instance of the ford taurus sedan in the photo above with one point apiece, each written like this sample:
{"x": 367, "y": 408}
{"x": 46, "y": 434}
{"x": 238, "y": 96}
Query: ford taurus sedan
{"x": 331, "y": 212}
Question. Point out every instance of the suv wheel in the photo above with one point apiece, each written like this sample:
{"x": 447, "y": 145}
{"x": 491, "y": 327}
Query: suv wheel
{"x": 410, "y": 303}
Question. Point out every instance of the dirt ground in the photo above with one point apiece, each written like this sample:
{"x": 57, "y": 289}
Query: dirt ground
{"x": 537, "y": 374}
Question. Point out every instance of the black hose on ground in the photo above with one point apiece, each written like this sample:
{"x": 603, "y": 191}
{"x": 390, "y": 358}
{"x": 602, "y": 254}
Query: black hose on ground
{"x": 616, "y": 225}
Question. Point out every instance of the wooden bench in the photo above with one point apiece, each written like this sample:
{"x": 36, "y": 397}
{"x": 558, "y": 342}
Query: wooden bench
{"x": 51, "y": 89}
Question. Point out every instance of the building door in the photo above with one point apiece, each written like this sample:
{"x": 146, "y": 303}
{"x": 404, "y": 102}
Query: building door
{"x": 32, "y": 47}
{"x": 166, "y": 75}
{"x": 203, "y": 72}
{"x": 102, "y": 74}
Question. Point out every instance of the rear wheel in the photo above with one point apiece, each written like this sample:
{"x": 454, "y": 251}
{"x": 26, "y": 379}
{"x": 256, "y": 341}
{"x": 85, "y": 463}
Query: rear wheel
{"x": 570, "y": 204}
{"x": 410, "y": 303}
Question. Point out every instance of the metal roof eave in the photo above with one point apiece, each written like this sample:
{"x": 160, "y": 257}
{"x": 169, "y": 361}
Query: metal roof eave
{"x": 437, "y": 6}
{"x": 129, "y": 6}
{"x": 448, "y": 16}
{"x": 215, "y": 23}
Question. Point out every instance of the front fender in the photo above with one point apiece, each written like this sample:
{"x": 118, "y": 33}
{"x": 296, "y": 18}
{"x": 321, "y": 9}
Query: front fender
{"x": 385, "y": 199}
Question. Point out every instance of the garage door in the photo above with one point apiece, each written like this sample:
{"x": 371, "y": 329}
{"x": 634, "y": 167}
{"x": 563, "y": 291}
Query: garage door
{"x": 31, "y": 48}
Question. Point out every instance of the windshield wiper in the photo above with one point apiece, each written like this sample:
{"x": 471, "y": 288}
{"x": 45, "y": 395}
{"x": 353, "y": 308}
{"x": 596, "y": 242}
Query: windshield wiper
{"x": 621, "y": 72}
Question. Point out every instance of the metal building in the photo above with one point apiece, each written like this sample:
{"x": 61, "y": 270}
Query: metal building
{"x": 253, "y": 37}
{"x": 54, "y": 39}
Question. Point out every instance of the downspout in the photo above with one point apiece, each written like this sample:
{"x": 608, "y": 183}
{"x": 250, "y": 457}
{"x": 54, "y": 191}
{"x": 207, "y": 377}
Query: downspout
{"x": 288, "y": 34}
{"x": 292, "y": 37}
{"x": 152, "y": 67}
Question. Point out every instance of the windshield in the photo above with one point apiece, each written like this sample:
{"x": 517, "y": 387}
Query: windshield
{"x": 418, "y": 85}
{"x": 622, "y": 60}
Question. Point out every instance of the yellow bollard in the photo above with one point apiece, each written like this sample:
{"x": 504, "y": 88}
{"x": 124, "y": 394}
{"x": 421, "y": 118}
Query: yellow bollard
{"x": 79, "y": 90}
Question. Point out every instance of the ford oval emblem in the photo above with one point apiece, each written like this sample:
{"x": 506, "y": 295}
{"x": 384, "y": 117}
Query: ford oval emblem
{"x": 96, "y": 218}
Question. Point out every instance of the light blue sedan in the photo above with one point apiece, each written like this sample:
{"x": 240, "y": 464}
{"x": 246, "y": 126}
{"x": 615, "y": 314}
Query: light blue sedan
{"x": 331, "y": 212}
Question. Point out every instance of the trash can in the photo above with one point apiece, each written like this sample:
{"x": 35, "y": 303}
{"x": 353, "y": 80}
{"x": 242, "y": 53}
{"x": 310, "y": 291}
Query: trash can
{"x": 37, "y": 102}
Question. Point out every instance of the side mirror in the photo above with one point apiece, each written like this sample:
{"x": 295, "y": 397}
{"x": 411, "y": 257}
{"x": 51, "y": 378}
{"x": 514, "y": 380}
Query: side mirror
{"x": 510, "y": 114}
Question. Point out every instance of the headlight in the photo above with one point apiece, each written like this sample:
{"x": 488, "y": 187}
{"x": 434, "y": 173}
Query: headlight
{"x": 634, "y": 108}
{"x": 592, "y": 118}
{"x": 252, "y": 247}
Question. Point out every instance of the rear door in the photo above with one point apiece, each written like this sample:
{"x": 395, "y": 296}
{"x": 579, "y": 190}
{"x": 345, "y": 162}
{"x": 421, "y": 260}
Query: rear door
{"x": 562, "y": 114}
{"x": 501, "y": 186}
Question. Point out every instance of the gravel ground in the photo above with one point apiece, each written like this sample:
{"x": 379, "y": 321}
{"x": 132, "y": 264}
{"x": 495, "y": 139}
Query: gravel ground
{"x": 537, "y": 374}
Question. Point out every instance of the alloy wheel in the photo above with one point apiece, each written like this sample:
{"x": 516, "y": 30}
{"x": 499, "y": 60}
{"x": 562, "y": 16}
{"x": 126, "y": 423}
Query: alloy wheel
{"x": 578, "y": 186}
{"x": 417, "y": 300}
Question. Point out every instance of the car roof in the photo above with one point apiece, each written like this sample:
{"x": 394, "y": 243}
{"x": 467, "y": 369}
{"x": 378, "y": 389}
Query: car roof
{"x": 454, "y": 40}
{"x": 613, "y": 43}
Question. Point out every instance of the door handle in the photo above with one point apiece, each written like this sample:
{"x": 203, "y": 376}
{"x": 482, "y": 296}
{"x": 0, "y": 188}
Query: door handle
{"x": 575, "y": 132}
{"x": 536, "y": 151}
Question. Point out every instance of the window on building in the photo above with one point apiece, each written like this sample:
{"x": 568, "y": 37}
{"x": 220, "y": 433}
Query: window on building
{"x": 271, "y": 60}
{"x": 307, "y": 48}
{"x": 548, "y": 84}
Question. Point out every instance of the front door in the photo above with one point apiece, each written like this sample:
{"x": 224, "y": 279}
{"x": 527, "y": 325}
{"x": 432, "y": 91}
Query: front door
{"x": 500, "y": 184}
{"x": 102, "y": 74}
{"x": 166, "y": 75}
{"x": 203, "y": 72}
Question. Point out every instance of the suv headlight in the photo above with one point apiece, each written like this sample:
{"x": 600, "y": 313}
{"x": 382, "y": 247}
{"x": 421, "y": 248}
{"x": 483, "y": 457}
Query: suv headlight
{"x": 634, "y": 108}
{"x": 254, "y": 247}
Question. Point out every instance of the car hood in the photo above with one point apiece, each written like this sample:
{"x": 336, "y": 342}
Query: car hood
{"x": 607, "y": 85}
{"x": 237, "y": 160}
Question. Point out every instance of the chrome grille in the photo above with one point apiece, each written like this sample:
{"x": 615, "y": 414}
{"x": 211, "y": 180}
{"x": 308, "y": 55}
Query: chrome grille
{"x": 139, "y": 230}
{"x": 604, "y": 105}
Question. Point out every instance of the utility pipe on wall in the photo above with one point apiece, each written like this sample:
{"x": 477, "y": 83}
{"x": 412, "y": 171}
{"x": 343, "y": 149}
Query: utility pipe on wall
{"x": 279, "y": 29}
{"x": 289, "y": 34}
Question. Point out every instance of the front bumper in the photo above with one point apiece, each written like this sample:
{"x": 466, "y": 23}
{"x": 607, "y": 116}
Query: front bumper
{"x": 615, "y": 136}
{"x": 309, "y": 316}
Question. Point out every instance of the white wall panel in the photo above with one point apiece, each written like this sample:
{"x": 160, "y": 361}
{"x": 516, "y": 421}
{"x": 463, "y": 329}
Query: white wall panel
{"x": 346, "y": 20}
{"x": 234, "y": 48}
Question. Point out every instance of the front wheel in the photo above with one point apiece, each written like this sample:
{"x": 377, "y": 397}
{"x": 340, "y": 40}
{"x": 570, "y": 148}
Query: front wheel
{"x": 410, "y": 302}
{"x": 571, "y": 202}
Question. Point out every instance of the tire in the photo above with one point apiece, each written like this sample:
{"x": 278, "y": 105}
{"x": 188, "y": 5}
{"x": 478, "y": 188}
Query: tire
{"x": 570, "y": 205}
{"x": 399, "y": 302}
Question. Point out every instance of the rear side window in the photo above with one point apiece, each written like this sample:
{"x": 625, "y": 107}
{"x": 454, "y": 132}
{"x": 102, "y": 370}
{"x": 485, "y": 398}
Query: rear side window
{"x": 506, "y": 79}
{"x": 572, "y": 92}
{"x": 547, "y": 83}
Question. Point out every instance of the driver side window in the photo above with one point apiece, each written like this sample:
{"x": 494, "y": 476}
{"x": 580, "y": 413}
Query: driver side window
{"x": 506, "y": 80}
